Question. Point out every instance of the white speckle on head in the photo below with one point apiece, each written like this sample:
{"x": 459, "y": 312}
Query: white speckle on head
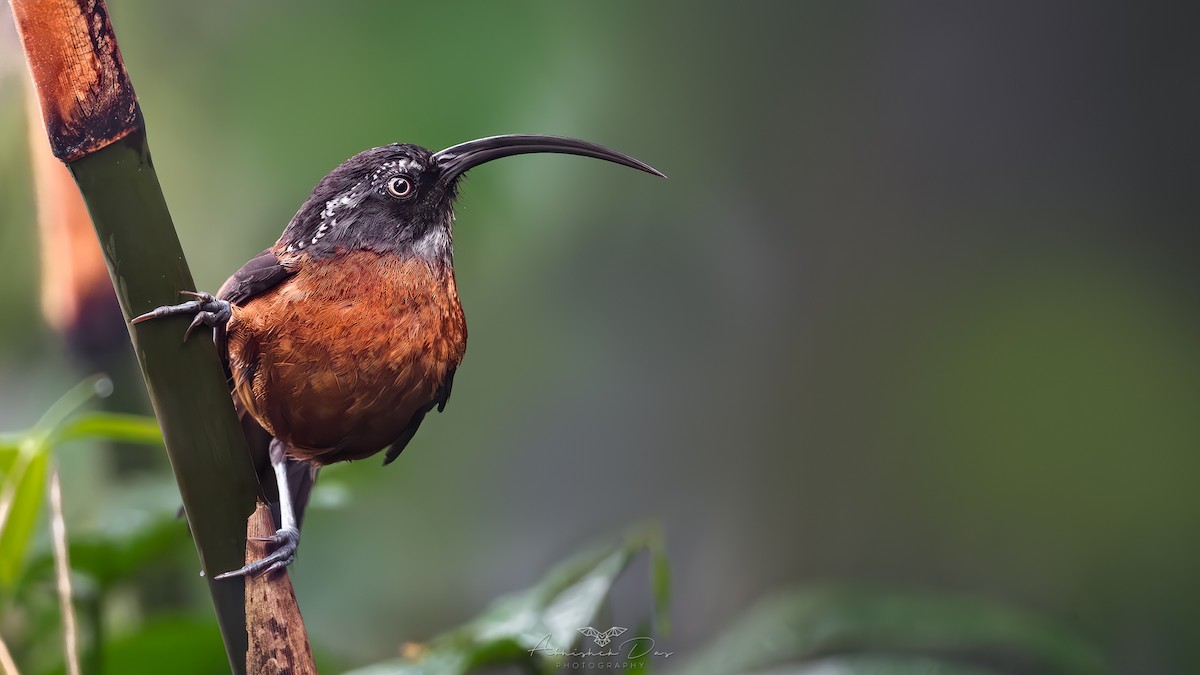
{"x": 434, "y": 244}
{"x": 345, "y": 199}
{"x": 329, "y": 220}
{"x": 398, "y": 166}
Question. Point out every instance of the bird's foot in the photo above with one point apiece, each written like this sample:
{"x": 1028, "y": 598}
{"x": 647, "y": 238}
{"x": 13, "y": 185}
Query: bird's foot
{"x": 208, "y": 311}
{"x": 288, "y": 540}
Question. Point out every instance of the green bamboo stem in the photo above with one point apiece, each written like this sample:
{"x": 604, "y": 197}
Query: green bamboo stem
{"x": 95, "y": 126}
{"x": 186, "y": 384}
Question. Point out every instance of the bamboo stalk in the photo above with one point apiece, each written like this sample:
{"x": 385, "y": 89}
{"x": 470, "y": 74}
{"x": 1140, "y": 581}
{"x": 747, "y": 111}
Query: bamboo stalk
{"x": 278, "y": 640}
{"x": 95, "y": 127}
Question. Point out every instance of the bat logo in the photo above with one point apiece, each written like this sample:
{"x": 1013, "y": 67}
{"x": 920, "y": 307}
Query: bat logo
{"x": 602, "y": 638}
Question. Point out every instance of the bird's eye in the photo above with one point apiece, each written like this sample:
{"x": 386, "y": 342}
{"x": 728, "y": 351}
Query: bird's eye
{"x": 399, "y": 187}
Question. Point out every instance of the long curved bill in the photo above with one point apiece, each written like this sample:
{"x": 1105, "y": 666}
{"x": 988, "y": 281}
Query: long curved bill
{"x": 457, "y": 159}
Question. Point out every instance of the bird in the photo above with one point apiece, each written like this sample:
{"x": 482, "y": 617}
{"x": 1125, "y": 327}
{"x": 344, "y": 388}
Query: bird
{"x": 341, "y": 337}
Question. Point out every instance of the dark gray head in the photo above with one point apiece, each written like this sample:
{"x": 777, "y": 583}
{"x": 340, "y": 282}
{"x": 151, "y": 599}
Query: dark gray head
{"x": 400, "y": 197}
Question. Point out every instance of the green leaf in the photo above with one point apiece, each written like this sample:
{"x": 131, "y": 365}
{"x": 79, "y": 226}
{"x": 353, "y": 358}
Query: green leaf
{"x": 73, "y": 400}
{"x": 10, "y": 449}
{"x": 555, "y": 609}
{"x": 23, "y": 489}
{"x": 543, "y": 618}
{"x": 799, "y": 625}
{"x": 110, "y": 426}
{"x": 24, "y": 459}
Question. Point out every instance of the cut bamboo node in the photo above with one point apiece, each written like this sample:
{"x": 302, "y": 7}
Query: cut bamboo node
{"x": 84, "y": 92}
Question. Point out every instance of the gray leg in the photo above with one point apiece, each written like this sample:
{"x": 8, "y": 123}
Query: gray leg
{"x": 208, "y": 311}
{"x": 288, "y": 535}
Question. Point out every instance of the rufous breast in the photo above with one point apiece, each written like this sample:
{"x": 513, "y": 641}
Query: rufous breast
{"x": 337, "y": 359}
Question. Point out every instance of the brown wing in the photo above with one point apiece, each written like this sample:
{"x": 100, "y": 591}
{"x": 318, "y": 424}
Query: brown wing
{"x": 259, "y": 275}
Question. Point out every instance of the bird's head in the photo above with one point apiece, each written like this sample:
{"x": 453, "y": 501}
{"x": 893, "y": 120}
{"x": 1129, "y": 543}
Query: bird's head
{"x": 400, "y": 197}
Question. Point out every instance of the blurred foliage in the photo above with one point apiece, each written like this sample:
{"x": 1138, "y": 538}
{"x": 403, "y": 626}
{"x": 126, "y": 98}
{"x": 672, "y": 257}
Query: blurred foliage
{"x": 531, "y": 627}
{"x": 178, "y": 645}
{"x": 835, "y": 629}
{"x": 23, "y": 489}
{"x": 859, "y": 629}
{"x": 821, "y": 630}
{"x": 101, "y": 559}
{"x": 570, "y": 596}
{"x": 24, "y": 460}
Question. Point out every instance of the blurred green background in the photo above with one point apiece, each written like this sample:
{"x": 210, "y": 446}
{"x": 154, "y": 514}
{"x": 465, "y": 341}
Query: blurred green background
{"x": 917, "y": 304}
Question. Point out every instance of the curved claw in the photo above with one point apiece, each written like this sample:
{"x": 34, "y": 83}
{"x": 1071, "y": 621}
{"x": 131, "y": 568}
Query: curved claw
{"x": 196, "y": 322}
{"x": 168, "y": 310}
{"x": 288, "y": 540}
{"x": 208, "y": 311}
